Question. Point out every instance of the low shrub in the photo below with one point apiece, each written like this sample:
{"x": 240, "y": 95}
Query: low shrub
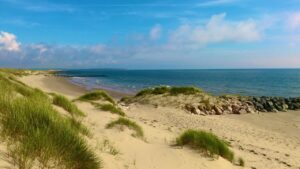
{"x": 128, "y": 123}
{"x": 97, "y": 95}
{"x": 206, "y": 142}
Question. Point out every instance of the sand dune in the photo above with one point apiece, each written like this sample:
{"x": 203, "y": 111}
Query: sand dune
{"x": 263, "y": 140}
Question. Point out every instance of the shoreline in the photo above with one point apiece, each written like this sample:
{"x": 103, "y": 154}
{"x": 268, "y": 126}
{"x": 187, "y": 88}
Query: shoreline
{"x": 114, "y": 93}
{"x": 64, "y": 86}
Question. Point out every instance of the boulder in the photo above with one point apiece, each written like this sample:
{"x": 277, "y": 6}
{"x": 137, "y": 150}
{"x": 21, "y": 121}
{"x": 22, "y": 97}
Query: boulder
{"x": 218, "y": 110}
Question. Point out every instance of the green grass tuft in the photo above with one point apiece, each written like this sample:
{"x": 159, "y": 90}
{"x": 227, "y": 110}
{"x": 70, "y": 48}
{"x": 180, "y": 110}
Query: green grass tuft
{"x": 97, "y": 95}
{"x": 128, "y": 123}
{"x": 66, "y": 104}
{"x": 205, "y": 142}
{"x": 111, "y": 108}
{"x": 78, "y": 126}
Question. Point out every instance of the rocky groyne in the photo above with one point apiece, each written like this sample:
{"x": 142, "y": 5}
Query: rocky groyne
{"x": 242, "y": 105}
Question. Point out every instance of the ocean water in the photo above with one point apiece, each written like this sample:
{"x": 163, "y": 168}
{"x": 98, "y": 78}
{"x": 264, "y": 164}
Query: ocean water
{"x": 250, "y": 82}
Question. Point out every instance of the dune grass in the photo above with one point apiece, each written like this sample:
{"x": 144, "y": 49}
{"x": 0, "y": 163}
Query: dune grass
{"x": 128, "y": 123}
{"x": 37, "y": 135}
{"x": 97, "y": 95}
{"x": 109, "y": 107}
{"x": 66, "y": 104}
{"x": 78, "y": 126}
{"x": 15, "y": 72}
{"x": 169, "y": 90}
{"x": 206, "y": 142}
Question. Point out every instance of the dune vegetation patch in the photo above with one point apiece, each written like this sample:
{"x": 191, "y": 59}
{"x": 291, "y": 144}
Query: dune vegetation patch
{"x": 111, "y": 108}
{"x": 206, "y": 142}
{"x": 66, "y": 104}
{"x": 36, "y": 135}
{"x": 186, "y": 90}
{"x": 129, "y": 124}
{"x": 15, "y": 72}
{"x": 97, "y": 95}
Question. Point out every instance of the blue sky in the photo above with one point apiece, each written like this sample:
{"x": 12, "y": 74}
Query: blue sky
{"x": 150, "y": 34}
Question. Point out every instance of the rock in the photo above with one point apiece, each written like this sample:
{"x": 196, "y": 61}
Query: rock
{"x": 270, "y": 103}
{"x": 235, "y": 109}
{"x": 191, "y": 108}
{"x": 250, "y": 110}
{"x": 218, "y": 110}
{"x": 242, "y": 111}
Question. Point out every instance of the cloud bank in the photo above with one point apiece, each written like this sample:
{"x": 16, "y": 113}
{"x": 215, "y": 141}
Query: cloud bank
{"x": 9, "y": 42}
{"x": 216, "y": 30}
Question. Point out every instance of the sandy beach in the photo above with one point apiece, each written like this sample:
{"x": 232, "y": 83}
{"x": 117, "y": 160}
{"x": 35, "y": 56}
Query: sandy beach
{"x": 264, "y": 140}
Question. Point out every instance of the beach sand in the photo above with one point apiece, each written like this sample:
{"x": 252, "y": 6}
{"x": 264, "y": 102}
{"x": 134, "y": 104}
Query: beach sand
{"x": 264, "y": 141}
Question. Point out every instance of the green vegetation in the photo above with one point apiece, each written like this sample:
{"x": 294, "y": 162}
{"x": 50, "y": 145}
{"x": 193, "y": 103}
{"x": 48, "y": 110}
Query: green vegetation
{"x": 78, "y": 126}
{"x": 35, "y": 134}
{"x": 128, "y": 123}
{"x": 111, "y": 108}
{"x": 16, "y": 72}
{"x": 63, "y": 102}
{"x": 97, "y": 95}
{"x": 169, "y": 90}
{"x": 206, "y": 142}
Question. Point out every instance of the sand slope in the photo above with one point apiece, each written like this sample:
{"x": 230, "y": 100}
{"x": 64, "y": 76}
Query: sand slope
{"x": 263, "y": 140}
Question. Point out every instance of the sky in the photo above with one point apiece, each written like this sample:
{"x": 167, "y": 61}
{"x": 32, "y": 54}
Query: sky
{"x": 150, "y": 34}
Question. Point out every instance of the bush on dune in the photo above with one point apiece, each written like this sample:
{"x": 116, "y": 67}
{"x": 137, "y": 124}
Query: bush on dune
{"x": 97, "y": 95}
{"x": 206, "y": 142}
{"x": 128, "y": 123}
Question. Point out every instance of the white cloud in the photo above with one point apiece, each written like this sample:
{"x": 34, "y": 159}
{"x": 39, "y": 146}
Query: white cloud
{"x": 40, "y": 47}
{"x": 216, "y": 30}
{"x": 155, "y": 32}
{"x": 293, "y": 21}
{"x": 9, "y": 42}
{"x": 215, "y": 3}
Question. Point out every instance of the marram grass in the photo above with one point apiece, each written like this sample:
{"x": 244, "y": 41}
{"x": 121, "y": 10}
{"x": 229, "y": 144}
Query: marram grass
{"x": 111, "y": 108}
{"x": 70, "y": 107}
{"x": 127, "y": 123}
{"x": 38, "y": 136}
{"x": 206, "y": 142}
{"x": 96, "y": 95}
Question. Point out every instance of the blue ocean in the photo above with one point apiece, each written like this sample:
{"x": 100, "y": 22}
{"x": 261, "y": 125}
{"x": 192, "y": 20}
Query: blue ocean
{"x": 249, "y": 82}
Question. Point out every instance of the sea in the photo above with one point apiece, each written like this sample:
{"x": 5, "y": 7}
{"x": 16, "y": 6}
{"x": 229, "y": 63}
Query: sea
{"x": 247, "y": 82}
